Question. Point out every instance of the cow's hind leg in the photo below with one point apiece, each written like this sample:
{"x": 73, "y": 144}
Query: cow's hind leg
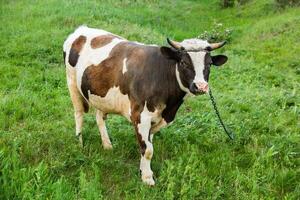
{"x": 102, "y": 129}
{"x": 79, "y": 103}
{"x": 142, "y": 124}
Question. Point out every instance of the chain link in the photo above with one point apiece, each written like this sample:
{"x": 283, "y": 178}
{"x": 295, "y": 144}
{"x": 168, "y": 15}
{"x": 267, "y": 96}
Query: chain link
{"x": 230, "y": 135}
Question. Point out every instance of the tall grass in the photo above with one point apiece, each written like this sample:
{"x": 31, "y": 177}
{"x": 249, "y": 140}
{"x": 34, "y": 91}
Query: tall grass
{"x": 257, "y": 92}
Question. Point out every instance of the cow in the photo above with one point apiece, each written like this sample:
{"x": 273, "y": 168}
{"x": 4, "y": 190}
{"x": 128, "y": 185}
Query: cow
{"x": 144, "y": 83}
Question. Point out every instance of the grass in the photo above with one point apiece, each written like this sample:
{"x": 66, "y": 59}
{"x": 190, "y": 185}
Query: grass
{"x": 257, "y": 93}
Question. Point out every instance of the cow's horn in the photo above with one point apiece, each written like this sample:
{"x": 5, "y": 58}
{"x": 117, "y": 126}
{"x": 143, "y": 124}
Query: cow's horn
{"x": 174, "y": 44}
{"x": 214, "y": 46}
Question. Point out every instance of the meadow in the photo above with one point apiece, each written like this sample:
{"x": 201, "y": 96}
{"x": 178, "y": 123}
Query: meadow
{"x": 257, "y": 92}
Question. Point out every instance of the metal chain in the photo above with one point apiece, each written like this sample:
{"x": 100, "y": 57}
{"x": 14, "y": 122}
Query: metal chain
{"x": 230, "y": 135}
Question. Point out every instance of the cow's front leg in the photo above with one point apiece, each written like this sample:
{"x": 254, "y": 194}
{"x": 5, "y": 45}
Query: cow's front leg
{"x": 142, "y": 125}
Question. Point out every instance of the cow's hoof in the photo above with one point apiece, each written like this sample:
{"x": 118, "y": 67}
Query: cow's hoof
{"x": 148, "y": 181}
{"x": 107, "y": 146}
{"x": 79, "y": 136}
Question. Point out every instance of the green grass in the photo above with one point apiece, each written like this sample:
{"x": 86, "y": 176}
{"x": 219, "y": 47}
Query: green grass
{"x": 257, "y": 93}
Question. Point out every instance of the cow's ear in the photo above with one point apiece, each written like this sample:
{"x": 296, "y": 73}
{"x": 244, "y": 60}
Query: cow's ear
{"x": 219, "y": 60}
{"x": 170, "y": 53}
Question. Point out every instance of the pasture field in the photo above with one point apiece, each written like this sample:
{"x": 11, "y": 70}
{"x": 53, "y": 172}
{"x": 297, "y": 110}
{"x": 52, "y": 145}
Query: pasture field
{"x": 257, "y": 93}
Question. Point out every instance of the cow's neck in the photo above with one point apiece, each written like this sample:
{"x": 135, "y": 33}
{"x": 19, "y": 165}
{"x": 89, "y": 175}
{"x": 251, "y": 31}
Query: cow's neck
{"x": 181, "y": 86}
{"x": 177, "y": 93}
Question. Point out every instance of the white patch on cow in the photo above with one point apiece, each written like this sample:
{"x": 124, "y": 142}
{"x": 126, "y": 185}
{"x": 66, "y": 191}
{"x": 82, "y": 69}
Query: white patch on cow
{"x": 152, "y": 45}
{"x": 147, "y": 174}
{"x": 96, "y": 56}
{"x": 182, "y": 87}
{"x": 136, "y": 42}
{"x": 144, "y": 129}
{"x": 146, "y": 118}
{"x": 124, "y": 69}
{"x": 194, "y": 44}
{"x": 89, "y": 33}
{"x": 198, "y": 62}
{"x": 113, "y": 102}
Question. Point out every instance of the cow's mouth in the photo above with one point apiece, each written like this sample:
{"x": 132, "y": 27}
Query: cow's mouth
{"x": 200, "y": 93}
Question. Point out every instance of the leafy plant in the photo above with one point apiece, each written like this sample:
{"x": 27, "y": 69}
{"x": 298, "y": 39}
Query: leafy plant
{"x": 217, "y": 33}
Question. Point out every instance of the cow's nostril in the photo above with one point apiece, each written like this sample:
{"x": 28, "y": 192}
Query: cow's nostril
{"x": 195, "y": 86}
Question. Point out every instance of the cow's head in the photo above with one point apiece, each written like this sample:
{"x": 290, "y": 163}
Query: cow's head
{"x": 193, "y": 63}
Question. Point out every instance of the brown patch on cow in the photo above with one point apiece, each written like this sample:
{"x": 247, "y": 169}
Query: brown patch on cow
{"x": 102, "y": 40}
{"x": 75, "y": 50}
{"x": 136, "y": 109}
{"x": 142, "y": 144}
{"x": 98, "y": 79}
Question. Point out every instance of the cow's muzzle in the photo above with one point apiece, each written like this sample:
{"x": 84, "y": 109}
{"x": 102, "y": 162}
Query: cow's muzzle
{"x": 199, "y": 88}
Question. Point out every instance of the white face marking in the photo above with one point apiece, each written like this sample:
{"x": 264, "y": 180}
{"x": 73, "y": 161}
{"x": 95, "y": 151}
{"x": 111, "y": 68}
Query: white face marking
{"x": 198, "y": 62}
{"x": 197, "y": 57}
{"x": 124, "y": 69}
{"x": 194, "y": 44}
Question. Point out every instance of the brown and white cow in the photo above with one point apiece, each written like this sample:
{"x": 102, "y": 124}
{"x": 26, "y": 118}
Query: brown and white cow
{"x": 144, "y": 83}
